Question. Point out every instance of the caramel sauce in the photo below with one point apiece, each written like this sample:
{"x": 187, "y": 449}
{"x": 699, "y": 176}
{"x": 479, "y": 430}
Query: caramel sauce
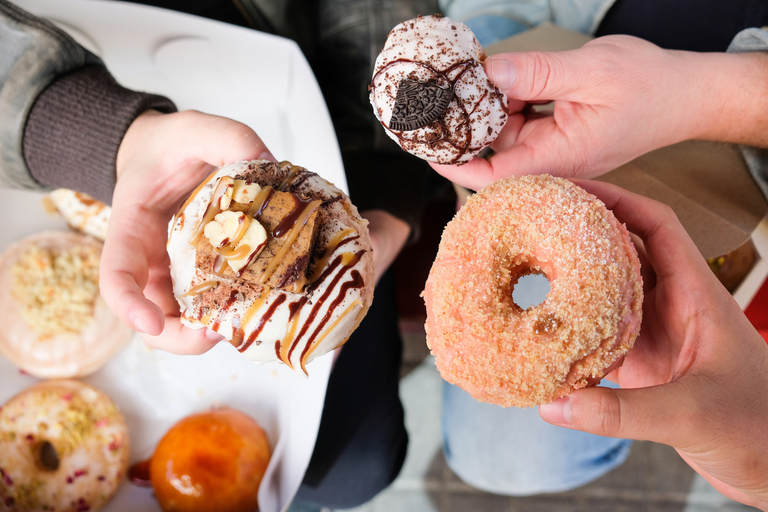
{"x": 138, "y": 474}
{"x": 228, "y": 253}
{"x": 305, "y": 355}
{"x": 213, "y": 208}
{"x": 201, "y": 288}
{"x": 262, "y": 322}
{"x": 292, "y": 173}
{"x": 291, "y": 219}
{"x": 546, "y": 324}
{"x": 246, "y": 319}
{"x": 332, "y": 246}
{"x": 290, "y": 238}
{"x": 357, "y": 282}
{"x": 260, "y": 202}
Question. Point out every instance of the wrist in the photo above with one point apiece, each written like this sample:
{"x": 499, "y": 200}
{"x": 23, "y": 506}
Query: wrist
{"x": 730, "y": 99}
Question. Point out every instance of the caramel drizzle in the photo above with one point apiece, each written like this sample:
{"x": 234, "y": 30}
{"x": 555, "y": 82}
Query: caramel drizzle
{"x": 292, "y": 173}
{"x": 305, "y": 355}
{"x": 290, "y": 238}
{"x": 248, "y": 316}
{"x": 357, "y": 281}
{"x": 260, "y": 202}
{"x": 191, "y": 197}
{"x": 214, "y": 207}
{"x": 332, "y": 246}
{"x": 201, "y": 288}
{"x": 284, "y": 345}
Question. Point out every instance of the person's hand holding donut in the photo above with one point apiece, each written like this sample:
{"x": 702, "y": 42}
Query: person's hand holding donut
{"x": 697, "y": 375}
{"x": 161, "y": 159}
{"x": 615, "y": 99}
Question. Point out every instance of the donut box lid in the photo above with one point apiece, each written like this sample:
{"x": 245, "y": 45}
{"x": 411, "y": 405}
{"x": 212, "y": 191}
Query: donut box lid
{"x": 708, "y": 184}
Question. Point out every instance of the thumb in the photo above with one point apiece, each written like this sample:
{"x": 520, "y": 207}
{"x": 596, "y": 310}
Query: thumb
{"x": 534, "y": 76}
{"x": 647, "y": 414}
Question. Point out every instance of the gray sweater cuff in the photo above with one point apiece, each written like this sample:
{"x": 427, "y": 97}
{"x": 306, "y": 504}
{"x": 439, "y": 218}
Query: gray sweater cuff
{"x": 75, "y": 128}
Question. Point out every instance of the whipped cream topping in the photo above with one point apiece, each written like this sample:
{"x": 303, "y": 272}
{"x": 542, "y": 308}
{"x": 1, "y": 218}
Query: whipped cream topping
{"x": 437, "y": 51}
{"x": 270, "y": 324}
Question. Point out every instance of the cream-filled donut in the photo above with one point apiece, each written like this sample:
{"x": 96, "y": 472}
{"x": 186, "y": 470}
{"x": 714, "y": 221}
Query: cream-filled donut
{"x": 431, "y": 93}
{"x": 274, "y": 258}
{"x": 64, "y": 446}
{"x": 55, "y": 323}
{"x": 506, "y": 355}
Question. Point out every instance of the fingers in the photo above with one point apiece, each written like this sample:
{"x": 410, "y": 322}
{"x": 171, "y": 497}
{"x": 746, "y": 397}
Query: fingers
{"x": 648, "y": 414}
{"x": 220, "y": 140}
{"x": 536, "y": 76}
{"x": 177, "y": 338}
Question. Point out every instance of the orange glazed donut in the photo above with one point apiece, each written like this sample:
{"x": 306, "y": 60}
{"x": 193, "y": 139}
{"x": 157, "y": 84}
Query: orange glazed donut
{"x": 495, "y": 350}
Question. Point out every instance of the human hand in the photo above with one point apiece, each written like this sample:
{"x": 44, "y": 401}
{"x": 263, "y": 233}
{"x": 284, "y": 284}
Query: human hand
{"x": 388, "y": 237}
{"x": 697, "y": 375}
{"x": 615, "y": 99}
{"x": 161, "y": 160}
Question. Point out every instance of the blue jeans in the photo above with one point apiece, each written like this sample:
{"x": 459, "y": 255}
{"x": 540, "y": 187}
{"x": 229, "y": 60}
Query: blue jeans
{"x": 514, "y": 452}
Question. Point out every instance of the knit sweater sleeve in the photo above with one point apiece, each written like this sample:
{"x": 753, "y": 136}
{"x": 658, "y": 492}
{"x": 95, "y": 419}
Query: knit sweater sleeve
{"x": 75, "y": 127}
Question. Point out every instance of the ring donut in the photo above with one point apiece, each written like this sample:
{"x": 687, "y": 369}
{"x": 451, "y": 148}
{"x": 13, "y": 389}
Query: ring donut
{"x": 55, "y": 323}
{"x": 506, "y": 355}
{"x": 64, "y": 446}
{"x": 275, "y": 259}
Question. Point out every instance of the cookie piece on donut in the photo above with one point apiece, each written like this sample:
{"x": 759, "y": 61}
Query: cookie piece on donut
{"x": 506, "y": 355}
{"x": 431, "y": 94}
{"x": 274, "y": 258}
{"x": 64, "y": 446}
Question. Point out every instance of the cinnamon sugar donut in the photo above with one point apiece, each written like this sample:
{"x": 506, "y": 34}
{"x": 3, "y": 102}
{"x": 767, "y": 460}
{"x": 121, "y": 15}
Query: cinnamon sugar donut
{"x": 64, "y": 446}
{"x": 274, "y": 258}
{"x": 495, "y": 350}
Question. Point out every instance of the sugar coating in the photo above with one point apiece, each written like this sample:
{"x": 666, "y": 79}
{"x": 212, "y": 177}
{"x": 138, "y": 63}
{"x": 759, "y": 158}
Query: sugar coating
{"x": 436, "y": 49}
{"x": 88, "y": 434}
{"x": 495, "y": 350}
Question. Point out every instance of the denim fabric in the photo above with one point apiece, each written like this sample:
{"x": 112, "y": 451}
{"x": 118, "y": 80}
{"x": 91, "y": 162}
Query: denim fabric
{"x": 493, "y": 20}
{"x": 514, "y": 452}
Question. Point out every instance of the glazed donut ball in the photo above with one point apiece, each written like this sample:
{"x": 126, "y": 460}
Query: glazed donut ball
{"x": 431, "y": 94}
{"x": 64, "y": 446}
{"x": 274, "y": 258}
{"x": 506, "y": 355}
{"x": 213, "y": 460}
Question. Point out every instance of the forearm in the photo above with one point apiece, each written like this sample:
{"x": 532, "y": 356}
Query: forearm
{"x": 729, "y": 100}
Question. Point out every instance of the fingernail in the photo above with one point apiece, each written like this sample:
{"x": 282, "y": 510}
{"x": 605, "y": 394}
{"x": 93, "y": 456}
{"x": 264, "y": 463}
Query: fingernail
{"x": 502, "y": 73}
{"x": 557, "y": 412}
{"x": 212, "y": 335}
{"x": 140, "y": 325}
{"x": 267, "y": 155}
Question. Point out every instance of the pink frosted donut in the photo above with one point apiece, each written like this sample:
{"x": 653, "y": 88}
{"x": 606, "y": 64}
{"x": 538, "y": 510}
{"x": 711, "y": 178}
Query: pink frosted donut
{"x": 495, "y": 350}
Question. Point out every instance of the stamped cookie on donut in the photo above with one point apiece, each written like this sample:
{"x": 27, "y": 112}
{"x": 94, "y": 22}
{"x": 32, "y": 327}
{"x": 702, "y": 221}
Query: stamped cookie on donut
{"x": 501, "y": 353}
{"x": 274, "y": 258}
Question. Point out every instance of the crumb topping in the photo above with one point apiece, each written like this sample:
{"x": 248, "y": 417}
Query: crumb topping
{"x": 57, "y": 289}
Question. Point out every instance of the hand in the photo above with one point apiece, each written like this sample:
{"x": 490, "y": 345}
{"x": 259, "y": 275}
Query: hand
{"x": 161, "y": 160}
{"x": 697, "y": 376}
{"x": 615, "y": 99}
{"x": 388, "y": 236}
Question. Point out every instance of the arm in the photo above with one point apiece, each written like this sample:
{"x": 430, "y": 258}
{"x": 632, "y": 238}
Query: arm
{"x": 617, "y": 98}
{"x": 697, "y": 375}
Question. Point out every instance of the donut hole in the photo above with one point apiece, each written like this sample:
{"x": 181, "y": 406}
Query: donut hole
{"x": 46, "y": 456}
{"x": 530, "y": 287}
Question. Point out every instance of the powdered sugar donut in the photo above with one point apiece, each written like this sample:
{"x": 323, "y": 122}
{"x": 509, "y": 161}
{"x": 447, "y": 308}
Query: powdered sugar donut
{"x": 64, "y": 446}
{"x": 274, "y": 258}
{"x": 430, "y": 91}
{"x": 491, "y": 347}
